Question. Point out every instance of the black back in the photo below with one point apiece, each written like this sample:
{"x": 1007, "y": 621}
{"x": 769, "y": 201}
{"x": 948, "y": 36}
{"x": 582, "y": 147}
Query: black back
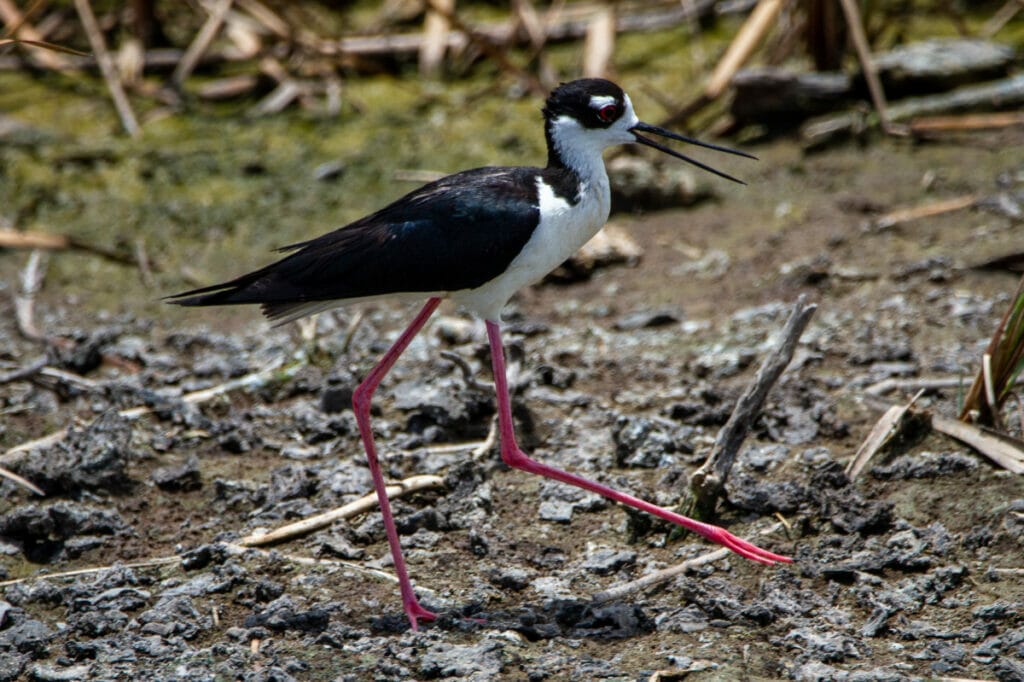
{"x": 456, "y": 233}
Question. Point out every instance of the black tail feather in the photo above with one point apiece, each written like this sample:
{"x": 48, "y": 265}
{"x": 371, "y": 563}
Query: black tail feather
{"x": 239, "y": 291}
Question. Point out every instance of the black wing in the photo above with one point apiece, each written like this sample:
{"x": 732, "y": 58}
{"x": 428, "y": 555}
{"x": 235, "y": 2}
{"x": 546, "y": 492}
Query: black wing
{"x": 455, "y": 233}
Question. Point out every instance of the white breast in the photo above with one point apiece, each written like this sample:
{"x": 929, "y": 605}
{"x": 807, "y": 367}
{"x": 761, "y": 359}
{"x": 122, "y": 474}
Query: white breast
{"x": 563, "y": 229}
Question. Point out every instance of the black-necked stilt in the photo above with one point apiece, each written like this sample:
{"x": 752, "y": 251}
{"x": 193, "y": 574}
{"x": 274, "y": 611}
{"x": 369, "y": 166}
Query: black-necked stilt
{"x": 475, "y": 237}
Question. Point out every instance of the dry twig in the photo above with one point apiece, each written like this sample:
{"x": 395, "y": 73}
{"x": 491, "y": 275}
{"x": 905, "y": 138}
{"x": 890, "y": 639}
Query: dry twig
{"x": 17, "y": 24}
{"x": 478, "y": 447}
{"x": 879, "y": 436}
{"x": 889, "y": 385}
{"x": 1004, "y": 450}
{"x": 925, "y": 126}
{"x": 236, "y": 549}
{"x": 201, "y": 43}
{"x": 25, "y": 300}
{"x": 488, "y": 47}
{"x": 708, "y": 482}
{"x": 1002, "y": 94}
{"x": 148, "y": 563}
{"x": 625, "y": 589}
{"x": 23, "y": 482}
{"x": 23, "y": 373}
{"x": 435, "y": 33}
{"x": 363, "y": 504}
{"x": 599, "y": 45}
{"x": 468, "y": 376}
{"x": 867, "y": 63}
{"x": 53, "y": 241}
{"x": 740, "y": 49}
{"x": 1001, "y": 18}
{"x": 107, "y": 67}
{"x": 929, "y": 210}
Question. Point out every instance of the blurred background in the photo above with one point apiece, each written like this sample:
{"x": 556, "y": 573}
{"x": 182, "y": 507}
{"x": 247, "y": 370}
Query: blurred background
{"x": 176, "y": 141}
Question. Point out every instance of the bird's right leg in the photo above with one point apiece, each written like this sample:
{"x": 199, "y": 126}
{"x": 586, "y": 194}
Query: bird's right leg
{"x": 361, "y": 404}
{"x": 517, "y": 459}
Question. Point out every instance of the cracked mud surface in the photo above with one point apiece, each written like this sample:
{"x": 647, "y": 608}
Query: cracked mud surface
{"x": 911, "y": 571}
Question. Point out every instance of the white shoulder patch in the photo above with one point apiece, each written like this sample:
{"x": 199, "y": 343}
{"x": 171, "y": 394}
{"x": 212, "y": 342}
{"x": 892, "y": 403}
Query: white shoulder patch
{"x": 548, "y": 202}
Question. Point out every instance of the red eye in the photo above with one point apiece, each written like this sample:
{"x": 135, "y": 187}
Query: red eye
{"x": 608, "y": 113}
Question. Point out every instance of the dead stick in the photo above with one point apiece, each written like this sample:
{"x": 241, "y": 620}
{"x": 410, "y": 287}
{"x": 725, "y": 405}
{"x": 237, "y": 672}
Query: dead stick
{"x": 23, "y": 373}
{"x": 159, "y": 561}
{"x": 940, "y": 124}
{"x": 237, "y": 549}
{"x": 496, "y": 53}
{"x": 18, "y": 25}
{"x": 905, "y": 215}
{"x": 860, "y": 43}
{"x": 435, "y": 33}
{"x": 625, "y": 589}
{"x": 736, "y": 55}
{"x": 468, "y": 376}
{"x": 18, "y": 451}
{"x": 998, "y": 448}
{"x": 267, "y": 17}
{"x": 23, "y": 482}
{"x": 201, "y": 43}
{"x": 334, "y": 563}
{"x": 25, "y": 300}
{"x": 889, "y": 385}
{"x": 599, "y": 44}
{"x": 753, "y": 30}
{"x": 363, "y": 504}
{"x": 107, "y": 68}
{"x": 53, "y": 241}
{"x": 879, "y": 435}
{"x": 1001, "y": 94}
{"x": 1001, "y": 18}
{"x": 708, "y": 482}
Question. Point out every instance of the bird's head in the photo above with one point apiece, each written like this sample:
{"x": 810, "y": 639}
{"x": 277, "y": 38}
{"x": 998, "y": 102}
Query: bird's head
{"x": 584, "y": 117}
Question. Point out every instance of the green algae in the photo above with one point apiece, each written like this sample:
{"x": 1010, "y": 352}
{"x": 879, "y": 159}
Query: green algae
{"x": 209, "y": 191}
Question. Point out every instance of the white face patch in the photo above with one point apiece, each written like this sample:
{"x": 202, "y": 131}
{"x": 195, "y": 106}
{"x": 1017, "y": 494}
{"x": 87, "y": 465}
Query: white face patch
{"x": 598, "y": 101}
{"x": 628, "y": 116}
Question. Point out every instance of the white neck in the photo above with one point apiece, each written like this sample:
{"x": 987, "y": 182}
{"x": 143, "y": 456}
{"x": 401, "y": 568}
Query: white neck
{"x": 580, "y": 149}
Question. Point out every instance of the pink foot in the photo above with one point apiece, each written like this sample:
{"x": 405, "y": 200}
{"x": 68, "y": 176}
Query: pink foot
{"x": 416, "y": 613}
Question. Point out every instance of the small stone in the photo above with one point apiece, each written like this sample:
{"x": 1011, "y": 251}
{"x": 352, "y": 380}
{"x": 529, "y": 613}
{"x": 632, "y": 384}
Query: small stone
{"x": 647, "y": 319}
{"x": 329, "y": 170}
{"x": 53, "y": 673}
{"x": 606, "y": 561}
{"x": 341, "y": 548}
{"x": 480, "y": 661}
{"x": 29, "y": 637}
{"x": 557, "y": 511}
{"x": 182, "y": 477}
{"x": 510, "y": 577}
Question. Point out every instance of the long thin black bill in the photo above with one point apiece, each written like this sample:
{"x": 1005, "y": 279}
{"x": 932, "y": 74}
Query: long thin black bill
{"x": 687, "y": 159}
{"x": 655, "y": 130}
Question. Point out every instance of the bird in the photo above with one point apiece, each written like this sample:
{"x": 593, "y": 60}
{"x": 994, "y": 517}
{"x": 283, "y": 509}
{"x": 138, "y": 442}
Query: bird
{"x": 475, "y": 238}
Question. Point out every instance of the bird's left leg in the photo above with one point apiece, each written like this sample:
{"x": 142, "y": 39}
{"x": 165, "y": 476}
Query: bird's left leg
{"x": 518, "y": 459}
{"x": 361, "y": 405}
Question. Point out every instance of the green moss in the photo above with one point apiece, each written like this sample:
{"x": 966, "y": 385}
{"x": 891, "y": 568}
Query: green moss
{"x": 212, "y": 190}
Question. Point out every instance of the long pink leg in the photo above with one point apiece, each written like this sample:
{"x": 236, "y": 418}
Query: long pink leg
{"x": 361, "y": 404}
{"x": 517, "y": 459}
